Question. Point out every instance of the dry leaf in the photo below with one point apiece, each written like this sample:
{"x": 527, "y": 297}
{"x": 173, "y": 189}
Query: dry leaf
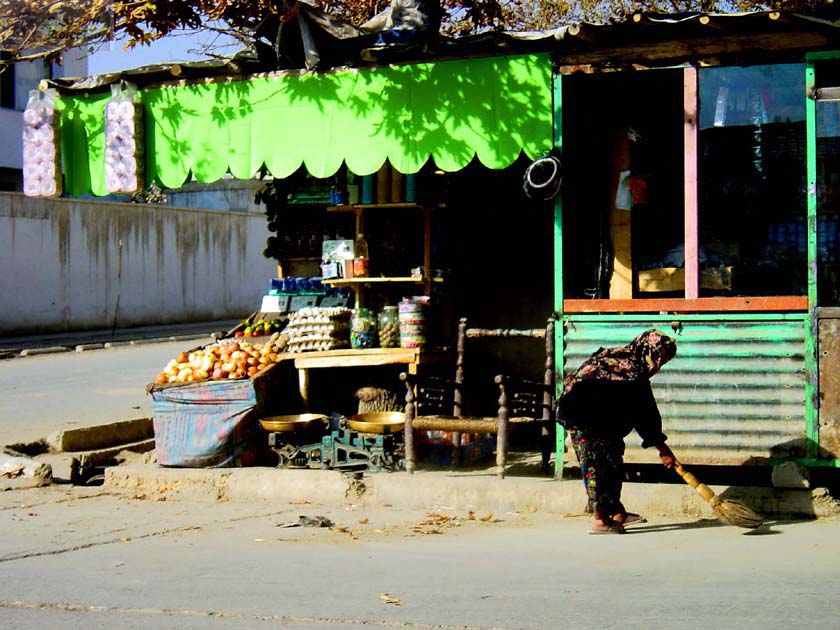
{"x": 532, "y": 508}
{"x": 13, "y": 472}
{"x": 140, "y": 497}
{"x": 486, "y": 517}
{"x": 363, "y": 521}
{"x": 387, "y": 599}
{"x": 471, "y": 516}
{"x": 302, "y": 502}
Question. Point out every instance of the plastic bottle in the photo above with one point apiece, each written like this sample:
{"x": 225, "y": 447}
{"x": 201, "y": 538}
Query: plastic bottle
{"x": 360, "y": 261}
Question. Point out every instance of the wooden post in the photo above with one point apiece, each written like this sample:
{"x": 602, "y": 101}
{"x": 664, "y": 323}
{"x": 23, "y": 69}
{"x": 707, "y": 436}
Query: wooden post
{"x": 409, "y": 424}
{"x": 690, "y": 124}
{"x": 459, "y": 367}
{"x": 458, "y": 394}
{"x": 303, "y": 385}
{"x": 383, "y": 184}
{"x": 502, "y": 430}
{"x": 397, "y": 186}
{"x": 548, "y": 396}
{"x": 427, "y": 250}
{"x": 621, "y": 283}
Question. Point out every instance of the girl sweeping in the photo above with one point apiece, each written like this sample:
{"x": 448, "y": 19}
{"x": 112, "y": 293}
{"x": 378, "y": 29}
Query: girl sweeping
{"x": 603, "y": 401}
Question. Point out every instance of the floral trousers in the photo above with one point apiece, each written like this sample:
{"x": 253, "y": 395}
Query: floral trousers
{"x": 602, "y": 469}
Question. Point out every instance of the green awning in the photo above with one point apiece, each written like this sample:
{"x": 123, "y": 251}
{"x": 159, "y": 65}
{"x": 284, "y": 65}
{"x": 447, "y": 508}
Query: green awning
{"x": 489, "y": 108}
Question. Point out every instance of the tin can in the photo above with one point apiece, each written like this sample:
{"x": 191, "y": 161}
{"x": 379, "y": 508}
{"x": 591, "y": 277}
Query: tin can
{"x": 360, "y": 267}
{"x": 412, "y": 323}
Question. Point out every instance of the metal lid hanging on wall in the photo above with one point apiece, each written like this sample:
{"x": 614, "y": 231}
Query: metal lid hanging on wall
{"x": 543, "y": 178}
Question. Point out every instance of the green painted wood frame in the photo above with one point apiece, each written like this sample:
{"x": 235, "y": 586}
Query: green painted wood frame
{"x": 812, "y": 323}
{"x": 560, "y": 431}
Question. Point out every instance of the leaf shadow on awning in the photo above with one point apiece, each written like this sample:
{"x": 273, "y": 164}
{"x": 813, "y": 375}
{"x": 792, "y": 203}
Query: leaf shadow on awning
{"x": 492, "y": 109}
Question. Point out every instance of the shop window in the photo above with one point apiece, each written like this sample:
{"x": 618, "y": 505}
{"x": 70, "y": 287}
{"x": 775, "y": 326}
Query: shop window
{"x": 623, "y": 200}
{"x": 752, "y": 202}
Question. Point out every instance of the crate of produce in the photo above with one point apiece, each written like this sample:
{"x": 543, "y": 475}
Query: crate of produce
{"x": 201, "y": 421}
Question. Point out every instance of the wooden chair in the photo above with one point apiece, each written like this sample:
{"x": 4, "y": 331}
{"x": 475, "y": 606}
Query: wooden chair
{"x": 437, "y": 404}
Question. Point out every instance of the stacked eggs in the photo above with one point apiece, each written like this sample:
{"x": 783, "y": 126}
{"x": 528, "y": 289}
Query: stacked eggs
{"x": 123, "y": 145}
{"x": 41, "y": 173}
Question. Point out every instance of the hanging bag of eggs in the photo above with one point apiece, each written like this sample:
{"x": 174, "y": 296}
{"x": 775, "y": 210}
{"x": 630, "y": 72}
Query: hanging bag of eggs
{"x": 41, "y": 146}
{"x": 123, "y": 140}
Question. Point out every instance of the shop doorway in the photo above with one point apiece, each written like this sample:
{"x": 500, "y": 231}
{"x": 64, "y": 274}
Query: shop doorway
{"x": 623, "y": 198}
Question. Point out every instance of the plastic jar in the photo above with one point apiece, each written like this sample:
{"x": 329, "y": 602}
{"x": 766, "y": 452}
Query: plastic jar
{"x": 412, "y": 323}
{"x": 363, "y": 329}
{"x": 389, "y": 327}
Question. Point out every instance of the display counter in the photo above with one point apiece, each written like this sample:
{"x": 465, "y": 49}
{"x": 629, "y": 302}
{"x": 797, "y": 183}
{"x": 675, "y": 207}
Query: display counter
{"x": 412, "y": 358}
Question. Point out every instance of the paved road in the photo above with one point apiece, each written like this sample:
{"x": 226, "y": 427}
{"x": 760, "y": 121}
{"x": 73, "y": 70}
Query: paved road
{"x": 120, "y": 562}
{"x": 46, "y": 393}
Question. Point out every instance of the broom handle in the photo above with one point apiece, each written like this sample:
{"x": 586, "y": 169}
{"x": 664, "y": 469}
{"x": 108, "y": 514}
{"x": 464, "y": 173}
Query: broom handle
{"x": 702, "y": 489}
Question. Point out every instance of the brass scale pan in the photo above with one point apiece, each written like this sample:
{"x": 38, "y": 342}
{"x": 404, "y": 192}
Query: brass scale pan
{"x": 381, "y": 422}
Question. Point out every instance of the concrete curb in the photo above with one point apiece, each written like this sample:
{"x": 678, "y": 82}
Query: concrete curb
{"x": 83, "y": 347}
{"x": 439, "y": 490}
{"x": 30, "y": 352}
{"x": 190, "y": 337}
{"x": 116, "y": 344}
{"x": 149, "y": 342}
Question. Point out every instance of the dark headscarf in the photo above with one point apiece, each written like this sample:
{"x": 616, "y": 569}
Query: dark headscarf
{"x": 639, "y": 360}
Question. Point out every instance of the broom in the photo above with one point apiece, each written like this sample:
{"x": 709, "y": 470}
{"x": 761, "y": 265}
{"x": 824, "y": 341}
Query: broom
{"x": 728, "y": 511}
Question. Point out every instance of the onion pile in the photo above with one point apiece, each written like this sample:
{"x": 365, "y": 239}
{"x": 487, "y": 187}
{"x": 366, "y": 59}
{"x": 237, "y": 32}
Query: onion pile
{"x": 221, "y": 361}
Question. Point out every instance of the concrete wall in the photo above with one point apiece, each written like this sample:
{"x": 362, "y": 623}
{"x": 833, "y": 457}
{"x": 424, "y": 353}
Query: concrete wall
{"x": 224, "y": 194}
{"x": 72, "y": 264}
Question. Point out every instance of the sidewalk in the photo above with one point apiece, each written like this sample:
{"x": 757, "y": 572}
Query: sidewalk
{"x": 476, "y": 490}
{"x": 79, "y": 341}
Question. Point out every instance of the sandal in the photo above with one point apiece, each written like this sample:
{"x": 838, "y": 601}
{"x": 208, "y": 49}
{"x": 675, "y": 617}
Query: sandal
{"x": 633, "y": 519}
{"x": 612, "y": 528}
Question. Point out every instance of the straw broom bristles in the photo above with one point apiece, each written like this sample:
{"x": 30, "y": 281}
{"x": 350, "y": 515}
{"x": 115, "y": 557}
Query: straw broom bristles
{"x": 727, "y": 510}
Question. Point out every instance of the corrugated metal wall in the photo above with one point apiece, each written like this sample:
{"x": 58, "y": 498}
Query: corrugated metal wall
{"x": 734, "y": 394}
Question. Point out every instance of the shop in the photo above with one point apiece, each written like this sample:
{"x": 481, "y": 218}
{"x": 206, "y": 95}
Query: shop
{"x": 369, "y": 286}
{"x": 698, "y": 190}
{"x": 698, "y": 168}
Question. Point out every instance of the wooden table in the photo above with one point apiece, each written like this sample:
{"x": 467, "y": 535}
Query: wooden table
{"x": 412, "y": 358}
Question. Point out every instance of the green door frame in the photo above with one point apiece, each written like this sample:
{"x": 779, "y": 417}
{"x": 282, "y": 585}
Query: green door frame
{"x": 560, "y": 431}
{"x": 812, "y": 432}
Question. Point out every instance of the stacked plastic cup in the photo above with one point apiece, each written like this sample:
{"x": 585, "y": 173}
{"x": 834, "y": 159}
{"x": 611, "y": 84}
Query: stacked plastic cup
{"x": 123, "y": 144}
{"x": 41, "y": 146}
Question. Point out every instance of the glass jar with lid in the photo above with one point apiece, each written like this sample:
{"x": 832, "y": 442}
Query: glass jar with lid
{"x": 363, "y": 328}
{"x": 389, "y": 327}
